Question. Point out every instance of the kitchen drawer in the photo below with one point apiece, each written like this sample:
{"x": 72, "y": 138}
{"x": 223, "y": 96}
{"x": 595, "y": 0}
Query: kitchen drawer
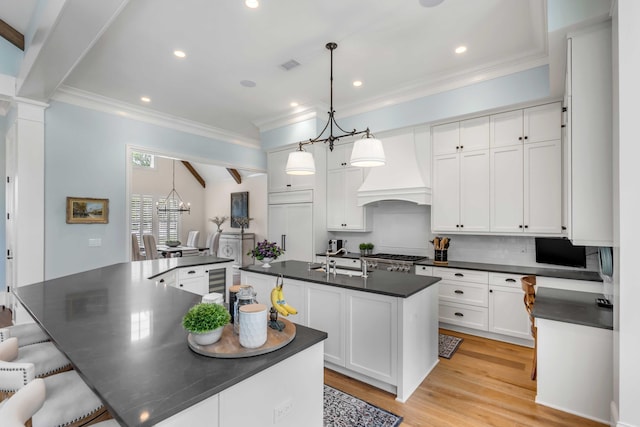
{"x": 503, "y": 279}
{"x": 464, "y": 293}
{"x": 190, "y": 272}
{"x": 464, "y": 315}
{"x": 424, "y": 270}
{"x": 461, "y": 275}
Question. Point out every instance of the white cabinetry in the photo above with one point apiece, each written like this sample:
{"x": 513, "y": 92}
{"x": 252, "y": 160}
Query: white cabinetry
{"x": 343, "y": 212}
{"x": 588, "y": 163}
{"x": 325, "y": 307}
{"x": 461, "y": 176}
{"x": 507, "y": 314}
{"x": 526, "y": 171}
{"x": 236, "y": 246}
{"x": 423, "y": 270}
{"x": 278, "y": 178}
{"x": 372, "y": 337}
{"x": 463, "y": 297}
{"x": 193, "y": 279}
{"x": 340, "y": 261}
{"x": 291, "y": 225}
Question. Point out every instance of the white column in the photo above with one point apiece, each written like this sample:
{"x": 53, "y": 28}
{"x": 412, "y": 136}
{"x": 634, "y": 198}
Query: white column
{"x": 25, "y": 198}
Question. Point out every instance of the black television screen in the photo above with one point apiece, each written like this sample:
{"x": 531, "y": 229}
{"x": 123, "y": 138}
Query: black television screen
{"x": 560, "y": 252}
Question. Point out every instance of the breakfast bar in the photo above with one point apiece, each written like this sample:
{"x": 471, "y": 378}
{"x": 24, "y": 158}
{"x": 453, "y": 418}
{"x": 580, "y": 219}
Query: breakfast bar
{"x": 122, "y": 332}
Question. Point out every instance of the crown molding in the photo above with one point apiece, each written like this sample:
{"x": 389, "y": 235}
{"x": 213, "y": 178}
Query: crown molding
{"x": 96, "y": 102}
{"x": 420, "y": 89}
{"x": 301, "y": 114}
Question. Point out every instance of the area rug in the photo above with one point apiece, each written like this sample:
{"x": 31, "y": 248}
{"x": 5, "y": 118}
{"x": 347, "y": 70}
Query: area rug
{"x": 343, "y": 410}
{"x": 448, "y": 345}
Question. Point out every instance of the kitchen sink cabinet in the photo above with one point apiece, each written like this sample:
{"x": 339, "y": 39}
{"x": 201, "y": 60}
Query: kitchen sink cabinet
{"x": 326, "y": 312}
{"x": 463, "y": 297}
{"x": 343, "y": 212}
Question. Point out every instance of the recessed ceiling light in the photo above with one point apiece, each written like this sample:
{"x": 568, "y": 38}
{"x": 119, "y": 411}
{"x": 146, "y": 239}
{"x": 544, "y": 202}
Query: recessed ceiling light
{"x": 461, "y": 49}
{"x": 145, "y": 99}
{"x": 357, "y": 83}
{"x": 251, "y": 4}
{"x": 247, "y": 83}
{"x": 294, "y": 104}
{"x": 179, "y": 53}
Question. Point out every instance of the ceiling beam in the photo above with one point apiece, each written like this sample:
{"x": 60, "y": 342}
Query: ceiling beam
{"x": 195, "y": 173}
{"x": 235, "y": 174}
{"x": 12, "y": 35}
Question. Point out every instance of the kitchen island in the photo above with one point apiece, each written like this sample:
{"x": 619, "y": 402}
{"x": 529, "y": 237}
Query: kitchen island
{"x": 122, "y": 332}
{"x": 382, "y": 330}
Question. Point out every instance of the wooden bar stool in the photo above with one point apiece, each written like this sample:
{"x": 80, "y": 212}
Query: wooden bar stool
{"x": 528, "y": 286}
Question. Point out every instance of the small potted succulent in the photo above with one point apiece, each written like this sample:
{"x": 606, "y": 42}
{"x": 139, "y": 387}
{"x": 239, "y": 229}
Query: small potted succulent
{"x": 369, "y": 248}
{"x": 266, "y": 252}
{"x": 363, "y": 248}
{"x": 206, "y": 322}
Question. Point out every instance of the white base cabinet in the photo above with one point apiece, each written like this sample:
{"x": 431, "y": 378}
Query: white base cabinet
{"x": 507, "y": 314}
{"x": 195, "y": 279}
{"x": 388, "y": 342}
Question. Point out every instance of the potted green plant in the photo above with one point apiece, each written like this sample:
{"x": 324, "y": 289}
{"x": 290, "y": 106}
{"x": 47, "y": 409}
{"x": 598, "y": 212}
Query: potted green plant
{"x": 363, "y": 248}
{"x": 369, "y": 248}
{"x": 206, "y": 322}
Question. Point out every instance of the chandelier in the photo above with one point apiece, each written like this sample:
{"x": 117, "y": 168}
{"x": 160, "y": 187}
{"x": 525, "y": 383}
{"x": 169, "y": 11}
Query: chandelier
{"x": 367, "y": 152}
{"x": 173, "y": 202}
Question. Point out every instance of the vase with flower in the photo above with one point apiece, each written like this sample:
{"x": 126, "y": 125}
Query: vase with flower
{"x": 218, "y": 221}
{"x": 266, "y": 252}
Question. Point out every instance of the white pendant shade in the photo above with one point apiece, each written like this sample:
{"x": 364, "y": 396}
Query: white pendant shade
{"x": 367, "y": 153}
{"x": 300, "y": 163}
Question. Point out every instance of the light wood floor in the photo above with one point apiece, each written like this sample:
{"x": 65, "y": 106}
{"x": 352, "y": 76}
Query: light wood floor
{"x": 485, "y": 383}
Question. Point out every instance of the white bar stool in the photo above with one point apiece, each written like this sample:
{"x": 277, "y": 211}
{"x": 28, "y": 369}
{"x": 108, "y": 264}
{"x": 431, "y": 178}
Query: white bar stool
{"x": 28, "y": 333}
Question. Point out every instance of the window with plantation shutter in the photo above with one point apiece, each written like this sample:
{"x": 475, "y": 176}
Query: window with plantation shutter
{"x": 141, "y": 216}
{"x": 168, "y": 221}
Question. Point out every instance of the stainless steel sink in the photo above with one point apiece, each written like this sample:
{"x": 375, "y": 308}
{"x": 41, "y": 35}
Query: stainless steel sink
{"x": 342, "y": 271}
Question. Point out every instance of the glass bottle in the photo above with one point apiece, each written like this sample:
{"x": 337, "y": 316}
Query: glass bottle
{"x": 246, "y": 295}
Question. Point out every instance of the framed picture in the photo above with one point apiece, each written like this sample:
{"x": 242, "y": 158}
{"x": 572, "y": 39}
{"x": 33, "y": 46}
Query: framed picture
{"x": 239, "y": 207}
{"x": 85, "y": 210}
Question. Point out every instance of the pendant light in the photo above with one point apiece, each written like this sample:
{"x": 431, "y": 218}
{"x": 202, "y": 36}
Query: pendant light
{"x": 367, "y": 152}
{"x": 173, "y": 202}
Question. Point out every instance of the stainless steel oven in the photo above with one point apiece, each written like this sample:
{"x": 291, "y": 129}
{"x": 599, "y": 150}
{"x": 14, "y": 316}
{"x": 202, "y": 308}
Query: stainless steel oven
{"x": 392, "y": 262}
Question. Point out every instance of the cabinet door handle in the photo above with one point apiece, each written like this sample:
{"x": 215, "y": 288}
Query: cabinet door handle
{"x": 461, "y": 147}
{"x": 459, "y": 275}
{"x": 526, "y": 226}
{"x": 490, "y": 291}
{"x": 284, "y": 242}
{"x": 520, "y": 226}
{"x": 458, "y": 291}
{"x": 457, "y": 313}
{"x": 288, "y": 185}
{"x": 191, "y": 272}
{"x": 161, "y": 280}
{"x": 510, "y": 280}
{"x": 461, "y": 225}
{"x": 526, "y": 137}
{"x": 181, "y": 285}
{"x": 519, "y": 138}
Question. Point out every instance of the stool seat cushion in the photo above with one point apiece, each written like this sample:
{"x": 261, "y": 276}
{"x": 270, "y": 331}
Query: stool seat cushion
{"x": 28, "y": 333}
{"x": 68, "y": 400}
{"x": 45, "y": 357}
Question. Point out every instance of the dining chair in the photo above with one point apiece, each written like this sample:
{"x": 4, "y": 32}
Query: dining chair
{"x": 43, "y": 358}
{"x": 150, "y": 248}
{"x": 215, "y": 244}
{"x": 528, "y": 286}
{"x": 192, "y": 238}
{"x": 68, "y": 400}
{"x": 19, "y": 408}
{"x": 27, "y": 333}
{"x": 136, "y": 254}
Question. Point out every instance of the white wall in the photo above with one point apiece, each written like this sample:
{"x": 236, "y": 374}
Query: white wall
{"x": 628, "y": 234}
{"x": 158, "y": 182}
{"x": 218, "y": 203}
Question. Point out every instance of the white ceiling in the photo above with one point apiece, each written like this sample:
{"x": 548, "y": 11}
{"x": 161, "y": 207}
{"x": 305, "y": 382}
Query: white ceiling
{"x": 397, "y": 48}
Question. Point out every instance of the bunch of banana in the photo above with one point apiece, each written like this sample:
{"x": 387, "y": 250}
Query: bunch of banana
{"x": 278, "y": 302}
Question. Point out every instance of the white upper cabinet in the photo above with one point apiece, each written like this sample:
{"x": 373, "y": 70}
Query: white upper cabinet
{"x": 340, "y": 156}
{"x": 474, "y": 190}
{"x": 446, "y": 138}
{"x": 535, "y": 124}
{"x": 507, "y": 189}
{"x": 278, "y": 178}
{"x": 474, "y": 134}
{"x": 542, "y": 187}
{"x": 445, "y": 211}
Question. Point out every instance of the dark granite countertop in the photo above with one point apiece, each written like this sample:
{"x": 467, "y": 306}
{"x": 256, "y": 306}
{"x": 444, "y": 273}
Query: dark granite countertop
{"x": 592, "y": 276}
{"x": 394, "y": 284}
{"x": 123, "y": 334}
{"x": 572, "y": 307}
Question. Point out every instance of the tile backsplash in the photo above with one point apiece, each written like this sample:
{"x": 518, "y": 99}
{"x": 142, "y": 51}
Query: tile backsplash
{"x": 405, "y": 228}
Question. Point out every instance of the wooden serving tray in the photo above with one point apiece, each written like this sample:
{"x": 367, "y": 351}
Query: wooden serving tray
{"x": 228, "y": 347}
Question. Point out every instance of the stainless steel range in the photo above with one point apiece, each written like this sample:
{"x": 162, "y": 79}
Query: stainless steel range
{"x": 392, "y": 262}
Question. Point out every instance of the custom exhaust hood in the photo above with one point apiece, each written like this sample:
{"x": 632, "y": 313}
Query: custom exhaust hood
{"x": 400, "y": 178}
